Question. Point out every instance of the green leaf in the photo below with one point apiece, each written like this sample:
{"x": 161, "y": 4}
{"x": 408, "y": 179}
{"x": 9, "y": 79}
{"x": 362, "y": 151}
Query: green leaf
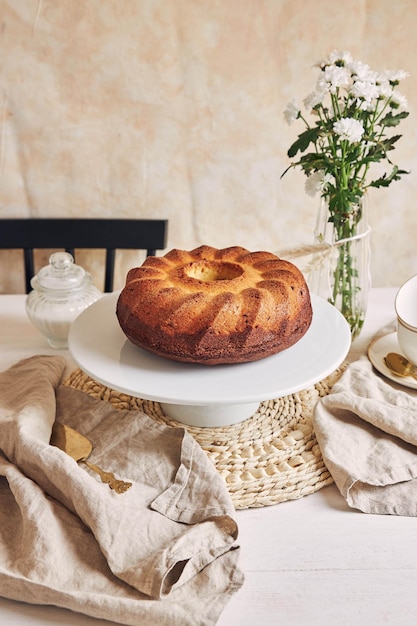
{"x": 388, "y": 144}
{"x": 378, "y": 151}
{"x": 380, "y": 182}
{"x": 312, "y": 162}
{"x": 391, "y": 141}
{"x": 394, "y": 120}
{"x": 385, "y": 180}
{"x": 304, "y": 140}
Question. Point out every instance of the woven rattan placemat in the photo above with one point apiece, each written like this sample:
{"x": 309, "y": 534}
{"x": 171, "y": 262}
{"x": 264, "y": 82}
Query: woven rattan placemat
{"x": 269, "y": 458}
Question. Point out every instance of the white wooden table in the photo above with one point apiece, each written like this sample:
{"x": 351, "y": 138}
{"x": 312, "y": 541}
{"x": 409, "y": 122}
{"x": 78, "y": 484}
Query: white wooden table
{"x": 309, "y": 561}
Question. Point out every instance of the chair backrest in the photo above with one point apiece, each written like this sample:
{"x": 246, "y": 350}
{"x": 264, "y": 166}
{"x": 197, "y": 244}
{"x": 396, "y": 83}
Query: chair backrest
{"x": 78, "y": 233}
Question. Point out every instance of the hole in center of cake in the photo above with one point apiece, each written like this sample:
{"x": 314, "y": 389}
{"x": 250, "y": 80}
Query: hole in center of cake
{"x": 213, "y": 271}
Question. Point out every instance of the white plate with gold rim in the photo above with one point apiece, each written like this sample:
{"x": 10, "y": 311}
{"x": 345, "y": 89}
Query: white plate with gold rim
{"x": 379, "y": 349}
{"x": 203, "y": 395}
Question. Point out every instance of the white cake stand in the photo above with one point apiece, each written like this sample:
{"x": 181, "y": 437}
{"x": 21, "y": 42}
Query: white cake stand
{"x": 203, "y": 395}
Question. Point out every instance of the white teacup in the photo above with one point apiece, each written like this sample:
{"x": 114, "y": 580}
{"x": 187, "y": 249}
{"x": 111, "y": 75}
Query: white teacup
{"x": 406, "y": 310}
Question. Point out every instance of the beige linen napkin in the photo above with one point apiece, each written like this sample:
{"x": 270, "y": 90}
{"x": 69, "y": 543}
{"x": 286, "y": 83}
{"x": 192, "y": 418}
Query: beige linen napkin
{"x": 161, "y": 553}
{"x": 367, "y": 432}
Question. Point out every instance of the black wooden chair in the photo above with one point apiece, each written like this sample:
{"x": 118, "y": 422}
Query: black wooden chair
{"x": 78, "y": 233}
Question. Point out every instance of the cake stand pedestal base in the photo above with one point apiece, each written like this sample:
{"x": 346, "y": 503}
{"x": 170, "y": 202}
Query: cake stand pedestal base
{"x": 209, "y": 415}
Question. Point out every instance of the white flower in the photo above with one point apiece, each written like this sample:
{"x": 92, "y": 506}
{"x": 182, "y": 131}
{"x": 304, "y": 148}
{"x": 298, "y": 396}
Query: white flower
{"x": 333, "y": 77}
{"x": 291, "y": 112}
{"x": 394, "y": 76}
{"x": 349, "y": 129}
{"x": 385, "y": 87}
{"x": 367, "y": 94}
{"x": 340, "y": 57}
{"x": 365, "y": 90}
{"x": 399, "y": 100}
{"x": 317, "y": 182}
{"x": 313, "y": 99}
{"x": 363, "y": 72}
{"x": 367, "y": 105}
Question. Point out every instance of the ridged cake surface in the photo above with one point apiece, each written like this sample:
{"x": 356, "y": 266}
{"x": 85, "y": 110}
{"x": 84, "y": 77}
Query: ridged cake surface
{"x": 215, "y": 306}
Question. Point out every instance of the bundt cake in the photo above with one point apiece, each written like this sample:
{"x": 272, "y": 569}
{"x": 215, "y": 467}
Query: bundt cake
{"x": 214, "y": 306}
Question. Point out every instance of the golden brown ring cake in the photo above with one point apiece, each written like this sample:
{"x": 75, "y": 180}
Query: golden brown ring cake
{"x": 215, "y": 306}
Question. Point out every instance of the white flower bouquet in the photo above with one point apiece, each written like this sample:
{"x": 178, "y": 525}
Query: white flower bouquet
{"x": 354, "y": 109}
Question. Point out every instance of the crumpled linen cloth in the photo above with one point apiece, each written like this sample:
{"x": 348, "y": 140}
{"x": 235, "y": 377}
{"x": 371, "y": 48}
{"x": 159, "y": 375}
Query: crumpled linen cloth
{"x": 367, "y": 432}
{"x": 162, "y": 553}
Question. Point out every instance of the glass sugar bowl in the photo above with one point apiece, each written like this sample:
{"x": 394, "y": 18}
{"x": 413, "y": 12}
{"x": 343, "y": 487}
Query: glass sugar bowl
{"x": 61, "y": 291}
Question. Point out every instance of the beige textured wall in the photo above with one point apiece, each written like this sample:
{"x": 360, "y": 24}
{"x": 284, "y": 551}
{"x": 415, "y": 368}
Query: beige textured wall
{"x": 173, "y": 108}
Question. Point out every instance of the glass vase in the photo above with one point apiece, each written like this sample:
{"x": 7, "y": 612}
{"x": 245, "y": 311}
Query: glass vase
{"x": 341, "y": 273}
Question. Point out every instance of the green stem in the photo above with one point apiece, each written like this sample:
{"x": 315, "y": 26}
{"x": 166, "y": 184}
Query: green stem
{"x": 346, "y": 288}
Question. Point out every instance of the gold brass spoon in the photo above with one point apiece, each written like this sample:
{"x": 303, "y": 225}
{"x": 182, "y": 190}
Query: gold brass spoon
{"x": 400, "y": 365}
{"x": 79, "y": 448}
